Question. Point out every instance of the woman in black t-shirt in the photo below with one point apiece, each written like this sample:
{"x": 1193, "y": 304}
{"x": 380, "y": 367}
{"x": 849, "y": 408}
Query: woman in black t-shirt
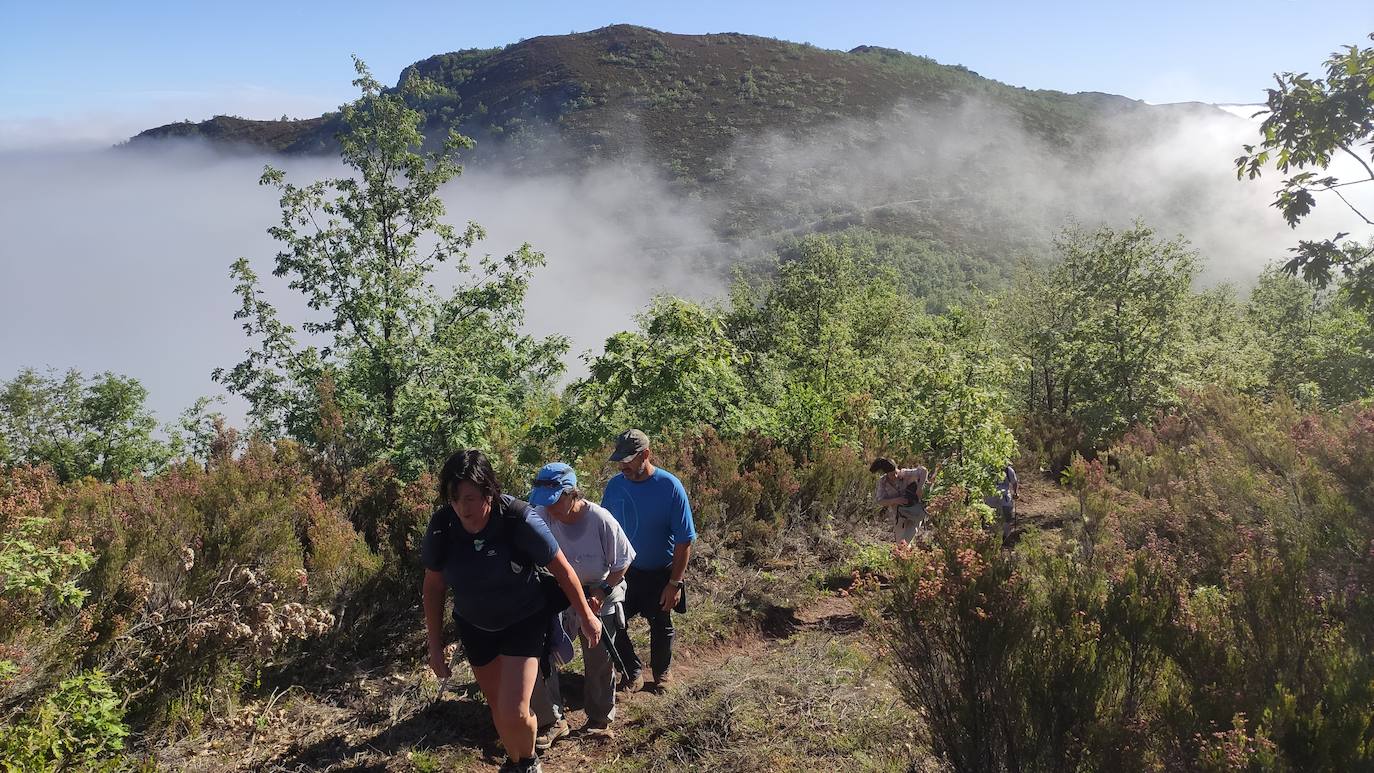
{"x": 485, "y": 546}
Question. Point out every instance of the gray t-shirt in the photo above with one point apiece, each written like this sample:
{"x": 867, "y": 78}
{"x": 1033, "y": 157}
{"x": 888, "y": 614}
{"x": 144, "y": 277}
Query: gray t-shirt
{"x": 905, "y": 477}
{"x": 595, "y": 545}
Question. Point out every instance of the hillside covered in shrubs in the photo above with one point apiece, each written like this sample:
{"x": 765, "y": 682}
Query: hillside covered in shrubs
{"x": 1197, "y": 597}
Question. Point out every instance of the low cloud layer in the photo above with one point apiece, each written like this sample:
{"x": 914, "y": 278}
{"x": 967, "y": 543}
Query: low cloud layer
{"x": 979, "y": 160}
{"x": 119, "y": 260}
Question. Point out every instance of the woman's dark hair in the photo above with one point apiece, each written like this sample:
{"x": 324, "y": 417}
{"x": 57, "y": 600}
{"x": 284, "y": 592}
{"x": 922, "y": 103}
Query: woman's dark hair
{"x": 882, "y": 464}
{"x": 471, "y": 466}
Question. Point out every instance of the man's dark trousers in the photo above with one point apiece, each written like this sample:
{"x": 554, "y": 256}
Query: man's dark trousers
{"x": 644, "y": 596}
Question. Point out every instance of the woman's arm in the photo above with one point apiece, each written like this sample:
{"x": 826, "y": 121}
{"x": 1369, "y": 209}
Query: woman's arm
{"x": 562, "y": 571}
{"x": 613, "y": 579}
{"x": 434, "y": 592}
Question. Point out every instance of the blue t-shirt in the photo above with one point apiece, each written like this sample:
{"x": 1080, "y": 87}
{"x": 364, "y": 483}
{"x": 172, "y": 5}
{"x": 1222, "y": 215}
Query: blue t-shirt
{"x": 492, "y": 573}
{"x": 654, "y": 514}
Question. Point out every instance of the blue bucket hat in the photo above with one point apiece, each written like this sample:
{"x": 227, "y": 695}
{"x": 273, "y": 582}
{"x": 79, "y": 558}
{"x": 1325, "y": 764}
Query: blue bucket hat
{"x": 550, "y": 483}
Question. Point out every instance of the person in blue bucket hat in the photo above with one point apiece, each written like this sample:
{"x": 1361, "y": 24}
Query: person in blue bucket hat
{"x": 600, "y": 554}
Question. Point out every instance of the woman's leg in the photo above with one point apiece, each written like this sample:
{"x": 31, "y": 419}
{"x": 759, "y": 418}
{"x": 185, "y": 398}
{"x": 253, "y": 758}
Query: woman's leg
{"x": 489, "y": 678}
{"x": 598, "y": 691}
{"x": 511, "y": 711}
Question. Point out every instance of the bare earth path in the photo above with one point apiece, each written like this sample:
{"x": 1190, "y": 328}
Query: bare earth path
{"x": 397, "y": 721}
{"x": 783, "y": 698}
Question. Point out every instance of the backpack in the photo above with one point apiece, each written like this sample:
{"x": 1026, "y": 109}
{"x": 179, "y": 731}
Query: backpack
{"x": 912, "y": 493}
{"x": 513, "y": 514}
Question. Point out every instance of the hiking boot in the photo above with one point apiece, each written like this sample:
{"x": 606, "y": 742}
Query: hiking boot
{"x": 663, "y": 681}
{"x": 552, "y": 733}
{"x": 531, "y": 765}
{"x": 631, "y": 683}
{"x": 598, "y": 730}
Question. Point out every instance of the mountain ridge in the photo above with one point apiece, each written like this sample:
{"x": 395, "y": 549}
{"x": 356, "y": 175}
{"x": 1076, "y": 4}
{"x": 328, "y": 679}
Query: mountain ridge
{"x": 781, "y": 138}
{"x": 681, "y": 98}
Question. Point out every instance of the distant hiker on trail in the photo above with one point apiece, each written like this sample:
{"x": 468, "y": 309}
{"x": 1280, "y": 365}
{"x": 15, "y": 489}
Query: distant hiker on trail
{"x": 600, "y": 553}
{"x": 1008, "y": 491}
{"x": 1004, "y": 501}
{"x": 651, "y": 506}
{"x": 901, "y": 492}
{"x": 487, "y": 547}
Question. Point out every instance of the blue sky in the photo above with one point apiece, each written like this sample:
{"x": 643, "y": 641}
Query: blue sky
{"x": 94, "y": 70}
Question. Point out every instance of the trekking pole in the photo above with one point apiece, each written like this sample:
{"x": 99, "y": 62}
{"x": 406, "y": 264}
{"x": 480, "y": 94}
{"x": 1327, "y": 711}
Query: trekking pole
{"x": 606, "y": 641}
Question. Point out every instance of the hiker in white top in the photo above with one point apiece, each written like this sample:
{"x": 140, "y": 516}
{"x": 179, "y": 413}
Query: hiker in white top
{"x": 901, "y": 492}
{"x": 600, "y": 553}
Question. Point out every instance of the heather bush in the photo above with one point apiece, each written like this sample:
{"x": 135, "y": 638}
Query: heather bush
{"x": 201, "y": 575}
{"x": 749, "y": 491}
{"x": 1210, "y": 613}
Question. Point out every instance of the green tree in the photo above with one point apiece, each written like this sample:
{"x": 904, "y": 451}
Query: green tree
{"x": 1103, "y": 332}
{"x": 1220, "y": 346}
{"x": 1310, "y": 123}
{"x": 98, "y": 428}
{"x": 679, "y": 370}
{"x": 948, "y": 399}
{"x": 414, "y": 371}
{"x": 819, "y": 332}
{"x": 1320, "y": 343}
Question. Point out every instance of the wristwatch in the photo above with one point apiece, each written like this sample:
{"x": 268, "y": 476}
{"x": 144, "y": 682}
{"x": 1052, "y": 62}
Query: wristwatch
{"x": 605, "y": 587}
{"x": 679, "y": 584}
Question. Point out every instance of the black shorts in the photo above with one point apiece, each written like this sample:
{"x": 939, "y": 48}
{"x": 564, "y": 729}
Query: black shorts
{"x": 524, "y": 639}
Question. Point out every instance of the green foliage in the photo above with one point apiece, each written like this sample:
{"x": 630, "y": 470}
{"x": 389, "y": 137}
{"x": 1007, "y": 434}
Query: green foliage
{"x": 1103, "y": 333}
{"x": 1214, "y": 616}
{"x": 948, "y": 404}
{"x": 414, "y": 372}
{"x": 194, "y": 577}
{"x": 826, "y": 351}
{"x": 1311, "y": 122}
{"x": 679, "y": 370}
{"x": 1221, "y": 345}
{"x": 1323, "y": 344}
{"x": 79, "y": 725}
{"x": 98, "y": 428}
{"x": 29, "y": 569}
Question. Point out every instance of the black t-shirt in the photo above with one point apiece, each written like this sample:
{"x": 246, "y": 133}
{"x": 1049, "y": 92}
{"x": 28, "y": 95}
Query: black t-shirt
{"x": 492, "y": 573}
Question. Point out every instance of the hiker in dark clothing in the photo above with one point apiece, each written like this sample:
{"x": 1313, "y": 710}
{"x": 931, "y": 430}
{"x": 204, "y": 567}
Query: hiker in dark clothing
{"x": 1008, "y": 491}
{"x": 486, "y": 547}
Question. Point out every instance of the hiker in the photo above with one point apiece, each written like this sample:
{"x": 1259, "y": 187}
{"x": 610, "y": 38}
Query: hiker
{"x": 487, "y": 546}
{"x": 651, "y": 506}
{"x": 599, "y": 553}
{"x": 1008, "y": 491}
{"x": 901, "y": 492}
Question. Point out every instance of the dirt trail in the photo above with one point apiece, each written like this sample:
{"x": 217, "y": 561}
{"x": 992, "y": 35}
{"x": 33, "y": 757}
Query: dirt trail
{"x": 830, "y": 613}
{"x": 395, "y": 720}
{"x": 1043, "y": 503}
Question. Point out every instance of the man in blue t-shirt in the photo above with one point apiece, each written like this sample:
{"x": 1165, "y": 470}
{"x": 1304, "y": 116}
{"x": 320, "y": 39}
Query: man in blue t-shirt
{"x": 652, "y": 509}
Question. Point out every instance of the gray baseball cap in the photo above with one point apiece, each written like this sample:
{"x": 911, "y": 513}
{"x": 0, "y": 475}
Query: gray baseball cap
{"x": 630, "y": 442}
